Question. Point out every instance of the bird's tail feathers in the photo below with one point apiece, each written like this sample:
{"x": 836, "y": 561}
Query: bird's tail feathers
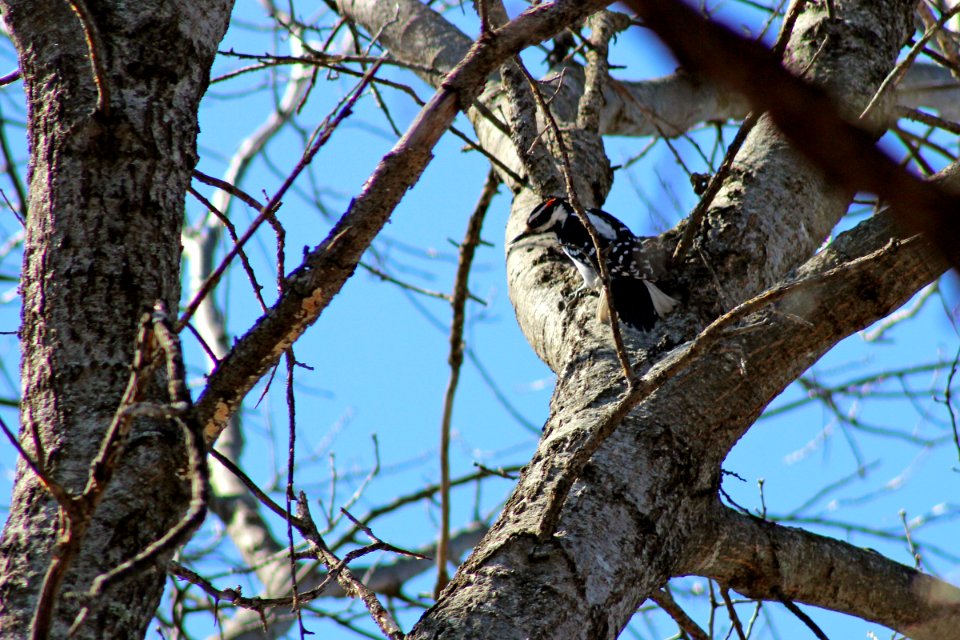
{"x": 603, "y": 312}
{"x": 662, "y": 303}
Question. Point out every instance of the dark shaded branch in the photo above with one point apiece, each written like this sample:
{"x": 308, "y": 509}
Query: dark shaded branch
{"x": 808, "y": 117}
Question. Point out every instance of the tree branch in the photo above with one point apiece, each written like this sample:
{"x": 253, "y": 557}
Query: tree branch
{"x": 310, "y": 288}
{"x": 761, "y": 559}
{"x": 808, "y": 117}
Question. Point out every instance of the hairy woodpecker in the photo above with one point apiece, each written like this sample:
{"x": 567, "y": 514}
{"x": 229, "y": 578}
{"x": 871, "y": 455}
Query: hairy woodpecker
{"x": 637, "y": 300}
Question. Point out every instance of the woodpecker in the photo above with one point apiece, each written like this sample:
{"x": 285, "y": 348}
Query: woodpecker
{"x": 638, "y": 301}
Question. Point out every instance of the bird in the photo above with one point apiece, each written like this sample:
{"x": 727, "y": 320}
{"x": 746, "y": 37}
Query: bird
{"x": 638, "y": 301}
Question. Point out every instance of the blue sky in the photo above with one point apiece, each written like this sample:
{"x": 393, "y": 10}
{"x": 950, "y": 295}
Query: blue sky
{"x": 379, "y": 352}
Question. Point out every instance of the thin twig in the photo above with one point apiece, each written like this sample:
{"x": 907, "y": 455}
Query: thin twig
{"x": 910, "y": 545}
{"x": 713, "y": 187}
{"x": 10, "y": 77}
{"x": 269, "y": 209}
{"x": 897, "y": 73}
{"x": 499, "y": 395}
{"x": 96, "y": 50}
{"x": 879, "y": 329}
{"x": 230, "y": 188}
{"x": 289, "y": 495}
{"x": 455, "y": 358}
{"x": 232, "y": 230}
{"x": 314, "y": 58}
{"x": 665, "y": 601}
{"x": 948, "y": 399}
{"x": 61, "y": 495}
{"x": 928, "y": 119}
{"x": 345, "y": 577}
{"x": 732, "y": 612}
{"x": 944, "y": 39}
{"x": 422, "y": 494}
{"x": 207, "y": 349}
{"x": 567, "y": 172}
{"x": 385, "y": 546}
{"x": 803, "y": 617}
{"x": 386, "y": 277}
{"x": 260, "y": 495}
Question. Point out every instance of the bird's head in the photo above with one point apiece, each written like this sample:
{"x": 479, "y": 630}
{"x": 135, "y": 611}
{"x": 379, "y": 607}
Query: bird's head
{"x": 546, "y": 217}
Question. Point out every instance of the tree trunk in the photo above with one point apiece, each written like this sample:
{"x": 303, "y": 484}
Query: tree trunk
{"x": 113, "y": 90}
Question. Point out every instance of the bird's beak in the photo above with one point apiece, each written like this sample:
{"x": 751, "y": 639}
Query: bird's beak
{"x": 522, "y": 236}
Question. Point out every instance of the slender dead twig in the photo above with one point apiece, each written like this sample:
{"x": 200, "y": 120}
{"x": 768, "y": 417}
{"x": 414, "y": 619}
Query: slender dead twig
{"x": 344, "y": 576}
{"x": 230, "y": 188}
{"x": 897, "y": 73}
{"x": 665, "y": 601}
{"x": 423, "y": 494}
{"x": 232, "y": 230}
{"x": 289, "y": 495}
{"x": 380, "y": 544}
{"x": 910, "y": 544}
{"x": 948, "y": 399}
{"x": 567, "y": 171}
{"x": 732, "y": 612}
{"x": 929, "y": 119}
{"x": 260, "y": 495}
{"x": 58, "y": 492}
{"x": 945, "y": 41}
{"x": 455, "y": 358}
{"x": 801, "y": 615}
{"x": 713, "y": 187}
{"x": 10, "y": 77}
{"x": 96, "y": 50}
{"x": 386, "y": 277}
{"x": 324, "y": 131}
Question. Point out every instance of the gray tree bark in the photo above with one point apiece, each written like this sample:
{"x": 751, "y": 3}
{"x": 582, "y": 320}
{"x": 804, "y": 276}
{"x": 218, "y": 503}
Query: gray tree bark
{"x": 112, "y": 145}
{"x": 645, "y": 508}
{"x": 113, "y": 90}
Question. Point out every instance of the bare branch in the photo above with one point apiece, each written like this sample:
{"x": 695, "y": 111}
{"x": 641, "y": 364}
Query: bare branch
{"x": 666, "y": 602}
{"x": 455, "y": 358}
{"x": 96, "y": 50}
{"x": 774, "y": 562}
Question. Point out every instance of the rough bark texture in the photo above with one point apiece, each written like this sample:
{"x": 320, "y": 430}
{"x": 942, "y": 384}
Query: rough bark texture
{"x": 764, "y": 560}
{"x": 107, "y": 185}
{"x": 112, "y": 146}
{"x": 652, "y": 487}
